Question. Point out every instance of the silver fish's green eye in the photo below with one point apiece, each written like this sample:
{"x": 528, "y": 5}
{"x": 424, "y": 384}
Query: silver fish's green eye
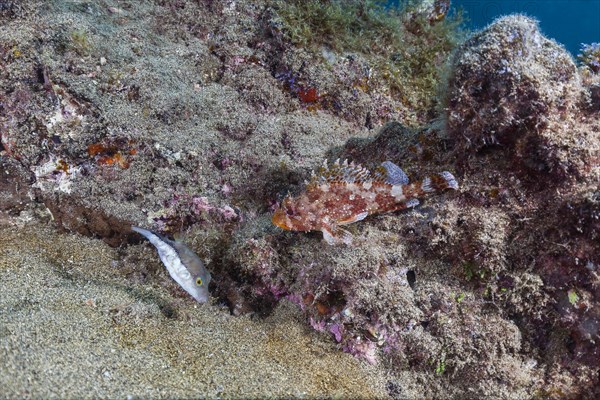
{"x": 199, "y": 281}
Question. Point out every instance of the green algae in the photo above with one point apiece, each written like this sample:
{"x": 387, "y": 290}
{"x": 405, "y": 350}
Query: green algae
{"x": 405, "y": 48}
{"x": 364, "y": 26}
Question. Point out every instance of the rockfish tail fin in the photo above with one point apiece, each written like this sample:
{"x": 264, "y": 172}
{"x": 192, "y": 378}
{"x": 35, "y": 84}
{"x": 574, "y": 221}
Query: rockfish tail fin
{"x": 439, "y": 182}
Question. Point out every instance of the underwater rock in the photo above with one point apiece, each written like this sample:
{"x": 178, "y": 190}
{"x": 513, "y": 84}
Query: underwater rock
{"x": 14, "y": 186}
{"x": 512, "y": 87}
{"x": 590, "y": 56}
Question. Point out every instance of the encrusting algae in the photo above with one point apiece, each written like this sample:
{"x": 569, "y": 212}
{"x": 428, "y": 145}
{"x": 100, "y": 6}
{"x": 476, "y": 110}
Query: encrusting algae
{"x": 341, "y": 194}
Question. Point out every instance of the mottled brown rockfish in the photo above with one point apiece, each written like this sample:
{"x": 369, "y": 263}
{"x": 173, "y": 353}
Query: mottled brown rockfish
{"x": 341, "y": 194}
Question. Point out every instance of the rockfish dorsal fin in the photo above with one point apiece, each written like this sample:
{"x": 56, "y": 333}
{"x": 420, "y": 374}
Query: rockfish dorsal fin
{"x": 340, "y": 173}
{"x": 395, "y": 174}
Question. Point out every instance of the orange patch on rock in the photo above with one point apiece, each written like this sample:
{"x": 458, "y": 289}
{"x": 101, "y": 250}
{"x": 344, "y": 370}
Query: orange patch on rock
{"x": 308, "y": 95}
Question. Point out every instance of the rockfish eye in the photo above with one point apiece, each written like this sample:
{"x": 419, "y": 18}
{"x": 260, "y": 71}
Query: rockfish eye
{"x": 199, "y": 281}
{"x": 290, "y": 211}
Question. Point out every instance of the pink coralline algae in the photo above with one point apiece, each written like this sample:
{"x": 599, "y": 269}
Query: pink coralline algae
{"x": 228, "y": 213}
{"x": 200, "y": 205}
{"x": 363, "y": 348}
{"x": 336, "y": 329}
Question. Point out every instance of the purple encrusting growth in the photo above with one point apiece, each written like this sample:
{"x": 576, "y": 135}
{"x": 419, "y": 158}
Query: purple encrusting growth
{"x": 290, "y": 80}
{"x": 336, "y": 329}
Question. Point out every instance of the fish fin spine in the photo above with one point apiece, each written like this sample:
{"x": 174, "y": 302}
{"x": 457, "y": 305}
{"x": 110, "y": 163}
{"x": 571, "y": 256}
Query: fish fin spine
{"x": 412, "y": 203}
{"x": 345, "y": 172}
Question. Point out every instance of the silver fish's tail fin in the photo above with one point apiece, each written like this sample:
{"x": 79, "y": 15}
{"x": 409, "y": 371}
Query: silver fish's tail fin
{"x": 439, "y": 182}
{"x": 154, "y": 238}
{"x": 141, "y": 231}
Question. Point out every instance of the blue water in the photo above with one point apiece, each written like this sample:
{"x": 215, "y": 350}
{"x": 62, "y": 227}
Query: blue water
{"x": 570, "y": 22}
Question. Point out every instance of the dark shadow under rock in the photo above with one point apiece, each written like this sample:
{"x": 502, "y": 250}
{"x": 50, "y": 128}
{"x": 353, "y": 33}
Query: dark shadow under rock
{"x": 70, "y": 214}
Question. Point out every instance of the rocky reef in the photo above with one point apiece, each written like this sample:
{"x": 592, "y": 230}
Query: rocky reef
{"x": 504, "y": 273}
{"x": 512, "y": 87}
{"x": 196, "y": 118}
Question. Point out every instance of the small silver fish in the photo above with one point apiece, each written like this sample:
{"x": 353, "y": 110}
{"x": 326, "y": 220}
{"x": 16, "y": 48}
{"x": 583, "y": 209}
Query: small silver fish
{"x": 182, "y": 263}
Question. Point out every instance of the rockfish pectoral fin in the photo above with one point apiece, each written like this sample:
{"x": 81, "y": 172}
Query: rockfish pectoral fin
{"x": 335, "y": 235}
{"x": 354, "y": 218}
{"x": 403, "y": 205}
